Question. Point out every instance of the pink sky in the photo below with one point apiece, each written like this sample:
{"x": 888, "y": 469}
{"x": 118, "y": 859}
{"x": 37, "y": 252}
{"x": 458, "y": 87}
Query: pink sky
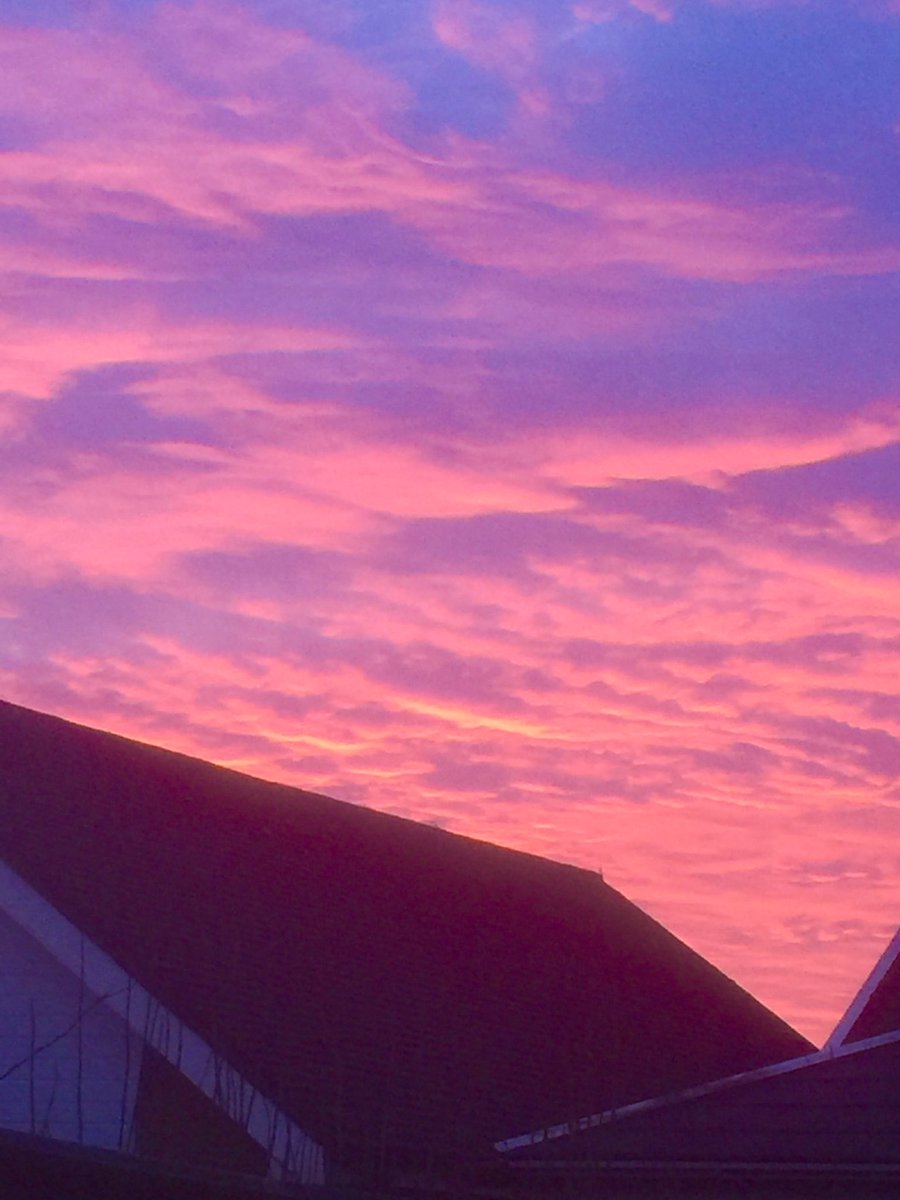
{"x": 483, "y": 411}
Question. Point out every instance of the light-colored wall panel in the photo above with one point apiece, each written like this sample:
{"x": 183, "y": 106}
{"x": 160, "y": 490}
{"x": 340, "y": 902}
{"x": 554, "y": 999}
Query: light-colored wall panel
{"x": 76, "y": 1078}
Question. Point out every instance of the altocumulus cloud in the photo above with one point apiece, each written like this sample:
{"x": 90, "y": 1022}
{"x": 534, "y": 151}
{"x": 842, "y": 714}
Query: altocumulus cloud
{"x": 487, "y": 412}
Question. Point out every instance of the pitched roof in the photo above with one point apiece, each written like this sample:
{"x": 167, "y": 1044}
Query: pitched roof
{"x": 837, "y": 1108}
{"x": 875, "y": 1010}
{"x": 384, "y": 982}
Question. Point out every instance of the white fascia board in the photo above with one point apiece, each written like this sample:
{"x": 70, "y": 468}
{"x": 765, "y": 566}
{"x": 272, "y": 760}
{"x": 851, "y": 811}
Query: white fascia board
{"x": 293, "y": 1155}
{"x": 610, "y": 1116}
{"x": 864, "y": 995}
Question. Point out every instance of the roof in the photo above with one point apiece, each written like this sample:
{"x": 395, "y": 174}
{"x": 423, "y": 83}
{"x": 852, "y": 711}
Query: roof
{"x": 875, "y": 1009}
{"x": 839, "y": 1108}
{"x": 386, "y": 983}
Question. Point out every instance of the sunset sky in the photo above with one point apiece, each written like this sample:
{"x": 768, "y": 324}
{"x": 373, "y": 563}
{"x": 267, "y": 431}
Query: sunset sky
{"x": 483, "y": 410}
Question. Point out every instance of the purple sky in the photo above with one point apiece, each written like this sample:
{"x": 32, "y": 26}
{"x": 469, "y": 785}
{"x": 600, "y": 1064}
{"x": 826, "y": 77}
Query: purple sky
{"x": 486, "y": 411}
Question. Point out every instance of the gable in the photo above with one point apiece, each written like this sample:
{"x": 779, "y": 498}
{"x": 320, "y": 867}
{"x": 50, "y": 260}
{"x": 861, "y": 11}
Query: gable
{"x": 875, "y": 1010}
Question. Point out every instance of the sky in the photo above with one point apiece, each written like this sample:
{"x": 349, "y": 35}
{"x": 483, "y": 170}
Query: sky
{"x": 482, "y": 410}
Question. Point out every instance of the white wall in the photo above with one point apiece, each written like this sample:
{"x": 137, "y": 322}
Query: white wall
{"x": 39, "y": 1007}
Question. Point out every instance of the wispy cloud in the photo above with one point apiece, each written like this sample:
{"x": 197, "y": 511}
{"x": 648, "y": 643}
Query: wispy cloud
{"x": 528, "y": 466}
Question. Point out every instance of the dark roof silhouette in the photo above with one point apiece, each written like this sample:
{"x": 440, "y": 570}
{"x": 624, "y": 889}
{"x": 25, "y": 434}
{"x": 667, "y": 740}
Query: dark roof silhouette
{"x": 388, "y": 984}
{"x": 827, "y": 1123}
{"x": 833, "y": 1109}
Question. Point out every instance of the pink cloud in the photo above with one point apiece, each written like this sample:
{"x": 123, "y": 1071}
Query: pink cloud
{"x": 330, "y": 150}
{"x": 660, "y": 10}
{"x": 40, "y": 352}
{"x": 337, "y": 539}
{"x": 493, "y": 38}
{"x": 593, "y": 459}
{"x": 599, "y": 12}
{"x": 224, "y": 42}
{"x": 567, "y": 226}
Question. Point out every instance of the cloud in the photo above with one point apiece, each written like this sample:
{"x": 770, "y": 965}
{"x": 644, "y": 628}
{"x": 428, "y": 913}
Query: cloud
{"x": 660, "y": 10}
{"x": 574, "y": 227}
{"x": 531, "y": 472}
{"x": 600, "y": 12}
{"x": 310, "y": 133}
{"x": 40, "y": 354}
{"x": 498, "y": 39}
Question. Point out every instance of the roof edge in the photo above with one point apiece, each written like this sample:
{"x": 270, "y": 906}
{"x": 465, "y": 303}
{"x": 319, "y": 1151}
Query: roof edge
{"x": 551, "y": 1132}
{"x": 860, "y": 1001}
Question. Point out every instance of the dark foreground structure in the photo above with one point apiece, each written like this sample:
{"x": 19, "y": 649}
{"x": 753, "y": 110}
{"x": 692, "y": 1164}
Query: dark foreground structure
{"x": 36, "y": 1168}
{"x": 285, "y": 992}
{"x": 826, "y": 1124}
